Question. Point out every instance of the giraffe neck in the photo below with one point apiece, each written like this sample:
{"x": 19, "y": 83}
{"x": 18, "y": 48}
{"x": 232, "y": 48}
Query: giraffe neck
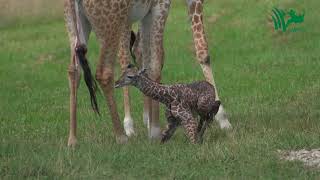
{"x": 154, "y": 90}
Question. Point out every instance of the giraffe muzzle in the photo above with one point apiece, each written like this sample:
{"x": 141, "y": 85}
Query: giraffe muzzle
{"x": 117, "y": 85}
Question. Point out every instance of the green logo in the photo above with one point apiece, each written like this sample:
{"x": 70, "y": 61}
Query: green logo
{"x": 282, "y": 19}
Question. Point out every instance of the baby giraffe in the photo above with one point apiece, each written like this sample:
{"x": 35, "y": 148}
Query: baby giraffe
{"x": 182, "y": 102}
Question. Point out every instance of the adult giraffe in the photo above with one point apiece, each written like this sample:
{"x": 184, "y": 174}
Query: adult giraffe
{"x": 140, "y": 49}
{"x": 111, "y": 21}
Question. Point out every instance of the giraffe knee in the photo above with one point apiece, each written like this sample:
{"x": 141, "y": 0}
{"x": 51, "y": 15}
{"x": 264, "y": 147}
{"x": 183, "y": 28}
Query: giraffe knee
{"x": 205, "y": 60}
{"x": 73, "y": 70}
{"x": 124, "y": 62}
{"x": 74, "y": 73}
{"x": 105, "y": 78}
{"x": 155, "y": 74}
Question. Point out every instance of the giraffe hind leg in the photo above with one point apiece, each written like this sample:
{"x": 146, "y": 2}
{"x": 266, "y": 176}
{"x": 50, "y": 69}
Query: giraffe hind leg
{"x": 188, "y": 122}
{"x": 172, "y": 125}
{"x": 190, "y": 126}
{"x": 74, "y": 68}
{"x": 105, "y": 77}
{"x": 201, "y": 129}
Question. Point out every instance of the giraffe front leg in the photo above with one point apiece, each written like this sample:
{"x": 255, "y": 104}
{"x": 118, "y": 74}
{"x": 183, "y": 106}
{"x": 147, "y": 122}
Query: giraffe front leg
{"x": 147, "y": 112}
{"x": 144, "y": 45}
{"x": 128, "y": 120}
{"x": 159, "y": 13}
{"x": 172, "y": 125}
{"x": 124, "y": 58}
{"x": 154, "y": 131}
{"x": 201, "y": 45}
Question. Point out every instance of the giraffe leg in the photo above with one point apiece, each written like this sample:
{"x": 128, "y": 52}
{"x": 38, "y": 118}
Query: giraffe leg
{"x": 74, "y": 78}
{"x": 147, "y": 113}
{"x": 74, "y": 71}
{"x": 201, "y": 46}
{"x": 145, "y": 48}
{"x": 109, "y": 46}
{"x": 187, "y": 120}
{"x": 105, "y": 77}
{"x": 200, "y": 125}
{"x": 202, "y": 130}
{"x": 172, "y": 125}
{"x": 124, "y": 58}
{"x": 190, "y": 125}
{"x": 108, "y": 19}
{"x": 159, "y": 15}
{"x": 146, "y": 27}
{"x": 203, "y": 125}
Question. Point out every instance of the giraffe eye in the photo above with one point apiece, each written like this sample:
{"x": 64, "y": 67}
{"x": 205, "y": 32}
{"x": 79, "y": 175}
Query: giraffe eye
{"x": 130, "y": 66}
{"x": 130, "y": 76}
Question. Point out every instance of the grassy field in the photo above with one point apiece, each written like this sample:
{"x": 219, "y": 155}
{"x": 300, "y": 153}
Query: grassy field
{"x": 269, "y": 83}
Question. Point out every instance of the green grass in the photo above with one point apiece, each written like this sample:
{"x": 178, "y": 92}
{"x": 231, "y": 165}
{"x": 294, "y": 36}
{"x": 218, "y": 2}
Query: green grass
{"x": 269, "y": 83}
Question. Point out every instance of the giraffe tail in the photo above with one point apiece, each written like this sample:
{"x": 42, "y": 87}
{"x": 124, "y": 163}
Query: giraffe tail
{"x": 81, "y": 51}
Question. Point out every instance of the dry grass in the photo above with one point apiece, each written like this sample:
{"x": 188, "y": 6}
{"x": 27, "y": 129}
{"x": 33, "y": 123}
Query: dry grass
{"x": 22, "y": 11}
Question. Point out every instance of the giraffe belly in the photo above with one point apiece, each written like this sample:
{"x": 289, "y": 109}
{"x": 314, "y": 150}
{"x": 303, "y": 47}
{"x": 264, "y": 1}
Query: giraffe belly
{"x": 139, "y": 9}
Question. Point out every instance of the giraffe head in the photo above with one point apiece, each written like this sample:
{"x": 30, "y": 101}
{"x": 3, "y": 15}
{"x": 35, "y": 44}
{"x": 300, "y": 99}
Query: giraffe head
{"x": 129, "y": 77}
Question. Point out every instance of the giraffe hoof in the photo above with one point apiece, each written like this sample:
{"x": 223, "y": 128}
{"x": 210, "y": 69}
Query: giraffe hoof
{"x": 164, "y": 139}
{"x": 155, "y": 133}
{"x": 122, "y": 139}
{"x": 72, "y": 142}
{"x": 128, "y": 127}
{"x": 222, "y": 119}
{"x": 226, "y": 126}
{"x": 200, "y": 141}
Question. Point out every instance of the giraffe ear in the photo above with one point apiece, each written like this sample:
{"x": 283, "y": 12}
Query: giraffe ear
{"x": 142, "y": 71}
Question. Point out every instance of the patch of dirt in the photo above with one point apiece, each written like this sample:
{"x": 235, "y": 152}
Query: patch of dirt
{"x": 215, "y": 16}
{"x": 310, "y": 158}
{"x": 44, "y": 57}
